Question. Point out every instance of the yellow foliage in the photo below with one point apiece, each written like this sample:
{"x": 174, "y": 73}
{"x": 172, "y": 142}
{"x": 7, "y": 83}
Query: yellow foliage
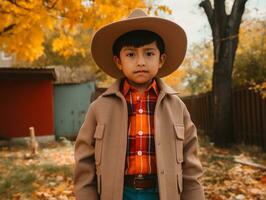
{"x": 67, "y": 46}
{"x": 261, "y": 88}
{"x": 250, "y": 64}
{"x": 175, "y": 78}
{"x": 24, "y": 23}
{"x": 252, "y": 33}
{"x": 162, "y": 8}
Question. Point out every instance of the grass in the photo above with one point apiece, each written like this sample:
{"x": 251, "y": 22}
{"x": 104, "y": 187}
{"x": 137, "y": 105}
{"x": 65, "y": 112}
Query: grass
{"x": 19, "y": 179}
{"x": 22, "y": 179}
{"x": 47, "y": 175}
{"x": 66, "y": 170}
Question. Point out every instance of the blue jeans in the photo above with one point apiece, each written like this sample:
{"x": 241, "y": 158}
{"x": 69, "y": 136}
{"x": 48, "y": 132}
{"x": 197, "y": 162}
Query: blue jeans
{"x": 145, "y": 194}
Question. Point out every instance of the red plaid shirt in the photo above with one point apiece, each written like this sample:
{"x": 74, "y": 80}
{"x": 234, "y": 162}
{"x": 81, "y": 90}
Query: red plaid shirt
{"x": 140, "y": 157}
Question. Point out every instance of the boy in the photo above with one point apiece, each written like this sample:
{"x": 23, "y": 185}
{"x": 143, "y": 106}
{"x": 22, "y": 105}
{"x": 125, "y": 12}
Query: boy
{"x": 137, "y": 140}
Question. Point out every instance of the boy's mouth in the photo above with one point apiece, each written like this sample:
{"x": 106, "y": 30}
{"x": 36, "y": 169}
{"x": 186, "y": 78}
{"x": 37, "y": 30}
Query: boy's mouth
{"x": 140, "y": 71}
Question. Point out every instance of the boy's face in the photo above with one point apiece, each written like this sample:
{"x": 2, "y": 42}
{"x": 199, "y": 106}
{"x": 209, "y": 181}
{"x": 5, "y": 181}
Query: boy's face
{"x": 140, "y": 64}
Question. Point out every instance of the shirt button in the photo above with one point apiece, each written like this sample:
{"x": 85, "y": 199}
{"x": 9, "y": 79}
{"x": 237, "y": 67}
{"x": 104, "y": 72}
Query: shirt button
{"x": 140, "y": 132}
{"x": 139, "y": 153}
{"x": 138, "y": 98}
{"x": 140, "y": 111}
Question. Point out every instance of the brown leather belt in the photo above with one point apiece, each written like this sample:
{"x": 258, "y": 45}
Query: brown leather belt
{"x": 140, "y": 182}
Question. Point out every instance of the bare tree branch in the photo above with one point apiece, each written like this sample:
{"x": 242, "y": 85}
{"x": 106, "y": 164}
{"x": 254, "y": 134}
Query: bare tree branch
{"x": 219, "y": 6}
{"x": 236, "y": 15}
{"x": 8, "y": 28}
{"x": 210, "y": 12}
{"x": 14, "y": 2}
{"x": 220, "y": 17}
{"x": 206, "y": 5}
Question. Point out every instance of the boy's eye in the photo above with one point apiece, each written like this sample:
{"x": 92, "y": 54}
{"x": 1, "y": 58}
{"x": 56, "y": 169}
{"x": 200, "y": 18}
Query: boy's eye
{"x": 130, "y": 54}
{"x": 150, "y": 53}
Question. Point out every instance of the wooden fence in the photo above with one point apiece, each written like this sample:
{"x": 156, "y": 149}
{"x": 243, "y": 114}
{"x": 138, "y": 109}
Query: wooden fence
{"x": 249, "y": 115}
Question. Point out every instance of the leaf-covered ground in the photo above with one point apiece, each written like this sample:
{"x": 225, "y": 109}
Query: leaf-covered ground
{"x": 48, "y": 176}
{"x": 225, "y": 179}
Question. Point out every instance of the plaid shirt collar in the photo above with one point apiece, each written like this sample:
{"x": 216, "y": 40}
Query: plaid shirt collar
{"x": 128, "y": 87}
{"x": 117, "y": 87}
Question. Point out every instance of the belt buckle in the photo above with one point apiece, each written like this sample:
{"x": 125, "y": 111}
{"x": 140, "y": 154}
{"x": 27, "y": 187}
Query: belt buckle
{"x": 139, "y": 177}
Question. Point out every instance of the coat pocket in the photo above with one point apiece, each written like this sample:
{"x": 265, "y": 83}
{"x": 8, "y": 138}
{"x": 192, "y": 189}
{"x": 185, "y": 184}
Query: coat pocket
{"x": 179, "y": 132}
{"x": 98, "y": 135}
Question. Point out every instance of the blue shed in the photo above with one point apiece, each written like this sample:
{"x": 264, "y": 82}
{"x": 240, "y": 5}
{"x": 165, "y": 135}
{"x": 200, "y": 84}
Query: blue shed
{"x": 71, "y": 101}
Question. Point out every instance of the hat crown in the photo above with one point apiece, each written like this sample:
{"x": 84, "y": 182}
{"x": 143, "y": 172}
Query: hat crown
{"x": 137, "y": 13}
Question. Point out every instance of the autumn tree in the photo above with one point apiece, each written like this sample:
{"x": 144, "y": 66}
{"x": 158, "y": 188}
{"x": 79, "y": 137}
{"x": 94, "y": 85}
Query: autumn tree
{"x": 249, "y": 66}
{"x": 225, "y": 30}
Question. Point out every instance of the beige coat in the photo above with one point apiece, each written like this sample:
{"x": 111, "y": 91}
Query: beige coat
{"x": 100, "y": 149}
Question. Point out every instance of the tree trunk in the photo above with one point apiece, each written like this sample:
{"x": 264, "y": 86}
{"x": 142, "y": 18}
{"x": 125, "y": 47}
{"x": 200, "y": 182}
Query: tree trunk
{"x": 222, "y": 96}
{"x": 225, "y": 29}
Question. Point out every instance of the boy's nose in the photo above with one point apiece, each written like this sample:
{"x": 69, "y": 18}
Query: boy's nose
{"x": 141, "y": 61}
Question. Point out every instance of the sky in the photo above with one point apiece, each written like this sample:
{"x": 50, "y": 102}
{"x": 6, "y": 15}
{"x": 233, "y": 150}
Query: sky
{"x": 192, "y": 18}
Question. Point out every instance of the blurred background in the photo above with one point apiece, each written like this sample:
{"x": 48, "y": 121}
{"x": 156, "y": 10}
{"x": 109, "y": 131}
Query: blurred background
{"x": 48, "y": 79}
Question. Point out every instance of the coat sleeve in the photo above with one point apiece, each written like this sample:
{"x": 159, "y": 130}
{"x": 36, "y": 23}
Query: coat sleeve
{"x": 84, "y": 174}
{"x": 192, "y": 168}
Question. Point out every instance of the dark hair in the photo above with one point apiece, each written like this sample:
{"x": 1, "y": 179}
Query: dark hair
{"x": 137, "y": 38}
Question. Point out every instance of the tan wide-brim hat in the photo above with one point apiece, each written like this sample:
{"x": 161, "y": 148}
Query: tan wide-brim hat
{"x": 173, "y": 35}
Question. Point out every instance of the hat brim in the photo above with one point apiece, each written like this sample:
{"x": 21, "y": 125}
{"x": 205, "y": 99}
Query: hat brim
{"x": 173, "y": 35}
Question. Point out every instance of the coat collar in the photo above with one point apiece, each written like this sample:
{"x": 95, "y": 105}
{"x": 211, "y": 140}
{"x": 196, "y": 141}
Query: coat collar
{"x": 115, "y": 88}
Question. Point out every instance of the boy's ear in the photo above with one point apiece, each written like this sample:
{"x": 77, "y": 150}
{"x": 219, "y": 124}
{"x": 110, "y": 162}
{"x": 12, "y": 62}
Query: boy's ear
{"x": 162, "y": 59}
{"x": 117, "y": 61}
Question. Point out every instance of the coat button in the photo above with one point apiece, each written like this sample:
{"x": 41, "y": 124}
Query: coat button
{"x": 162, "y": 172}
{"x": 140, "y": 110}
{"x": 139, "y": 153}
{"x": 140, "y": 132}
